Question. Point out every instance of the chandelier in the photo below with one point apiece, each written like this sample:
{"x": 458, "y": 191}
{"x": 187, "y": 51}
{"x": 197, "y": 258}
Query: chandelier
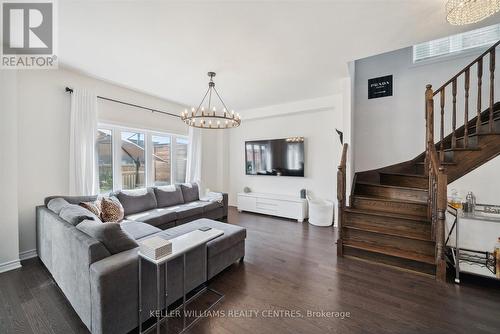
{"x": 460, "y": 12}
{"x": 211, "y": 118}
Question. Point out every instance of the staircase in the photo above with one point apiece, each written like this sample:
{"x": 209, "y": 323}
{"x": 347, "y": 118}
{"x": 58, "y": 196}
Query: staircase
{"x": 395, "y": 215}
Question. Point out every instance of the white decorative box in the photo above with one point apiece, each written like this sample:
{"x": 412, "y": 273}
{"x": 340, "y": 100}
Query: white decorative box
{"x": 155, "y": 247}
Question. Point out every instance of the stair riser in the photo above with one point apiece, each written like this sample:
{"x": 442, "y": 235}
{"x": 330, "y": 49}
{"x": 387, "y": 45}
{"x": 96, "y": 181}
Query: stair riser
{"x": 390, "y": 260}
{"x": 404, "y": 244}
{"x": 484, "y": 128}
{"x": 404, "y": 181}
{"x": 415, "y": 209}
{"x": 473, "y": 142}
{"x": 393, "y": 193}
{"x": 417, "y": 229}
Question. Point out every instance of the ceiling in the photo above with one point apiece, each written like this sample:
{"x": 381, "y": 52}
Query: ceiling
{"x": 264, "y": 52}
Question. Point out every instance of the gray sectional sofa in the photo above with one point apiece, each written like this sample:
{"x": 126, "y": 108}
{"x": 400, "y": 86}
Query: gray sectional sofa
{"x": 101, "y": 283}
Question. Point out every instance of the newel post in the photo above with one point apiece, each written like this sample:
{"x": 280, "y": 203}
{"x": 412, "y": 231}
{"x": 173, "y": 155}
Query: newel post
{"x": 442, "y": 185}
{"x": 341, "y": 199}
{"x": 429, "y": 123}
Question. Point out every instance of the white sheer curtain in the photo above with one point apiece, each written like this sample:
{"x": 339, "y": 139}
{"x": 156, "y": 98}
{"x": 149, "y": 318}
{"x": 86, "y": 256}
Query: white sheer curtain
{"x": 83, "y": 129}
{"x": 193, "y": 169}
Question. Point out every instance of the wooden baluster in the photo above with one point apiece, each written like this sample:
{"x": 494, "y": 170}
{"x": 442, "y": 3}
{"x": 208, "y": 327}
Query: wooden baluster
{"x": 492, "y": 87}
{"x": 441, "y": 148}
{"x": 466, "y": 111}
{"x": 454, "y": 116}
{"x": 479, "y": 92}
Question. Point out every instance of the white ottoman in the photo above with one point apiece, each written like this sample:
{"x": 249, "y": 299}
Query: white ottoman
{"x": 320, "y": 212}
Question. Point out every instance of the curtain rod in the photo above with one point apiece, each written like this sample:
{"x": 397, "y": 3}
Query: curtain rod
{"x": 70, "y": 90}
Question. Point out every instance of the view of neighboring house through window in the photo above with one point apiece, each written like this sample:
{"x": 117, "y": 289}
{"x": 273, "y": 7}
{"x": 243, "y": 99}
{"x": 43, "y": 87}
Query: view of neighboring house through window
{"x": 104, "y": 148}
{"x": 161, "y": 160}
{"x": 181, "y": 147}
{"x": 131, "y": 159}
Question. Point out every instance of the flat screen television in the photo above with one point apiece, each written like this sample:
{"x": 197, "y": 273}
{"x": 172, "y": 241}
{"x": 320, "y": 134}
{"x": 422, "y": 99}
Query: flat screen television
{"x": 278, "y": 157}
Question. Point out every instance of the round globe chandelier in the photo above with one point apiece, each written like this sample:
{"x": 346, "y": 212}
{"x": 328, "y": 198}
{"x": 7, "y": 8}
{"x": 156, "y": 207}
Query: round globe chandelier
{"x": 461, "y": 12}
{"x": 211, "y": 118}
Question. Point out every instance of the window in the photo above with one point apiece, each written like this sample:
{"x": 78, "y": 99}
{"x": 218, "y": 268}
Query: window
{"x": 131, "y": 159}
{"x": 104, "y": 148}
{"x": 181, "y": 147}
{"x": 457, "y": 43}
{"x": 161, "y": 160}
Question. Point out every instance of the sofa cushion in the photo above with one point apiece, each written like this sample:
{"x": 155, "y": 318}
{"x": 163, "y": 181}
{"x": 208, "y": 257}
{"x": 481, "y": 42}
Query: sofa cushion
{"x": 155, "y": 217}
{"x": 75, "y": 214}
{"x": 188, "y": 210}
{"x": 111, "y": 210}
{"x": 110, "y": 235}
{"x": 168, "y": 196}
{"x": 208, "y": 205}
{"x": 190, "y": 192}
{"x": 56, "y": 204}
{"x": 138, "y": 230}
{"x": 133, "y": 203}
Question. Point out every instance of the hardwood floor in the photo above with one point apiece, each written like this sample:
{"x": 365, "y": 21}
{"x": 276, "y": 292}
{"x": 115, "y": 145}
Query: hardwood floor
{"x": 293, "y": 267}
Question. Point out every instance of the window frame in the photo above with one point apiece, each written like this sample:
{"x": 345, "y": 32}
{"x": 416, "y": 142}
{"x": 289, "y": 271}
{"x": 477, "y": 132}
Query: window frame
{"x": 116, "y": 131}
{"x": 457, "y": 39}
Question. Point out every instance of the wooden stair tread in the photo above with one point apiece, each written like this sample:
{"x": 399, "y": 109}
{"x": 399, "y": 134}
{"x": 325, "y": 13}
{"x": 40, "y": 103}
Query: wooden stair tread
{"x": 390, "y": 251}
{"x": 387, "y": 199}
{"x": 462, "y": 149}
{"x": 445, "y": 163}
{"x": 390, "y": 186}
{"x": 404, "y": 174}
{"x": 387, "y": 214}
{"x": 407, "y": 234}
{"x": 392, "y": 266}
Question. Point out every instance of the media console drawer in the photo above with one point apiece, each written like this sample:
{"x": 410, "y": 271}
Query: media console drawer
{"x": 273, "y": 204}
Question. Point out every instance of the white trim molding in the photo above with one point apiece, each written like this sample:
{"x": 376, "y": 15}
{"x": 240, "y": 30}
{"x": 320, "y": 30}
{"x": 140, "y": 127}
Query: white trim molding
{"x": 29, "y": 254}
{"x": 11, "y": 265}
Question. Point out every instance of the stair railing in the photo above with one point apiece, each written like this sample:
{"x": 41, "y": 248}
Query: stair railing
{"x": 341, "y": 198}
{"x": 438, "y": 183}
{"x": 435, "y": 154}
{"x": 486, "y": 57}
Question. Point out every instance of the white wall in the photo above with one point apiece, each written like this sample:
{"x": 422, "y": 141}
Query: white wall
{"x": 484, "y": 182}
{"x": 9, "y": 235}
{"x": 315, "y": 120}
{"x": 389, "y": 130}
{"x": 43, "y": 121}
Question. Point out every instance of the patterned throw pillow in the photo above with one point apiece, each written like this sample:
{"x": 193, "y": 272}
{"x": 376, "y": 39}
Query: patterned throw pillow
{"x": 111, "y": 210}
{"x": 94, "y": 207}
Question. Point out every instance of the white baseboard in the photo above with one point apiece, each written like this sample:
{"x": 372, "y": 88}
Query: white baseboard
{"x": 11, "y": 265}
{"x": 29, "y": 254}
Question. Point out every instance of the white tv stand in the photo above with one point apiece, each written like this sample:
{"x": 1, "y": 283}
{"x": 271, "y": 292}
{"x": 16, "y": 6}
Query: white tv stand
{"x": 274, "y": 205}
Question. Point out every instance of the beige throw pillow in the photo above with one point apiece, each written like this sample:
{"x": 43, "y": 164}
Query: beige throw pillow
{"x": 94, "y": 207}
{"x": 112, "y": 210}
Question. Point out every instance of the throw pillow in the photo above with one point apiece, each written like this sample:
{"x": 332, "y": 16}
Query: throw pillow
{"x": 75, "y": 214}
{"x": 111, "y": 210}
{"x": 56, "y": 204}
{"x": 141, "y": 200}
{"x": 190, "y": 192}
{"x": 168, "y": 196}
{"x": 94, "y": 207}
{"x": 110, "y": 234}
